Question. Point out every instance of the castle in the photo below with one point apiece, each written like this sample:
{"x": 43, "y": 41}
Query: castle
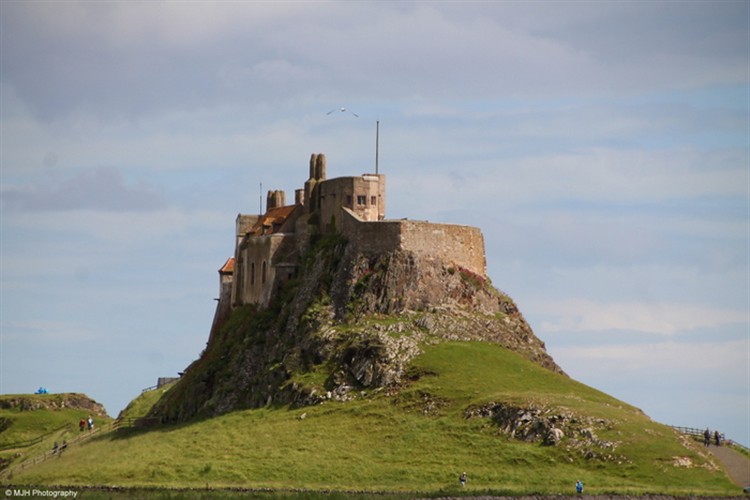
{"x": 268, "y": 247}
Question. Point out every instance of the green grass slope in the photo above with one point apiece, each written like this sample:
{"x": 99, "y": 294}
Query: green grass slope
{"x": 416, "y": 439}
{"x": 31, "y": 423}
{"x": 140, "y": 406}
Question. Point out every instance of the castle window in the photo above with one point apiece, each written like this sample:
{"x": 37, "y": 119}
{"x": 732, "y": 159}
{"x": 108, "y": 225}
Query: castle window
{"x": 361, "y": 200}
{"x": 373, "y": 200}
{"x": 263, "y": 273}
{"x": 252, "y": 273}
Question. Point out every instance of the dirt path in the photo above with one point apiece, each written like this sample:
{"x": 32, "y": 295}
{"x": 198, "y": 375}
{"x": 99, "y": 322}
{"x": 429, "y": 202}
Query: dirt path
{"x": 736, "y": 464}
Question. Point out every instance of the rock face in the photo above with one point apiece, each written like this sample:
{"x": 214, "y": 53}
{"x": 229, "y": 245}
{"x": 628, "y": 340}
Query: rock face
{"x": 53, "y": 402}
{"x": 351, "y": 323}
{"x": 551, "y": 427}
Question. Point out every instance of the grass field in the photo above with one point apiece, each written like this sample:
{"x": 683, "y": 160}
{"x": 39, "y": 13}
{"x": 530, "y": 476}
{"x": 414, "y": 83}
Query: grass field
{"x": 415, "y": 440}
{"x": 140, "y": 406}
{"x": 30, "y": 432}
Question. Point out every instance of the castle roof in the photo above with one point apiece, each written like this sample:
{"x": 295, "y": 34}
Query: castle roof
{"x": 272, "y": 220}
{"x": 228, "y": 267}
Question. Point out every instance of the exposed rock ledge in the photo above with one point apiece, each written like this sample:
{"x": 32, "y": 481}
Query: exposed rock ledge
{"x": 52, "y": 402}
{"x": 553, "y": 427}
{"x": 352, "y": 322}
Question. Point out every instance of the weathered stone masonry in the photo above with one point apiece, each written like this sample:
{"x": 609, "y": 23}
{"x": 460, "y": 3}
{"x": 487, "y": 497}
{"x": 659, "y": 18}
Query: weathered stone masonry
{"x": 268, "y": 247}
{"x": 462, "y": 246}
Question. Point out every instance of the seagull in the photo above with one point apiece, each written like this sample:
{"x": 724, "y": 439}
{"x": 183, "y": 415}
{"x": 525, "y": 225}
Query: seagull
{"x": 343, "y": 110}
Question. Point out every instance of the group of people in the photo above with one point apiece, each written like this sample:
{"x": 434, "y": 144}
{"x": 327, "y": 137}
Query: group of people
{"x": 59, "y": 449}
{"x": 86, "y": 423}
{"x": 707, "y": 438}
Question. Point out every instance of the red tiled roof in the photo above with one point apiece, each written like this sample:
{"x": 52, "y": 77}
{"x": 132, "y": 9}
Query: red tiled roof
{"x": 228, "y": 267}
{"x": 273, "y": 216}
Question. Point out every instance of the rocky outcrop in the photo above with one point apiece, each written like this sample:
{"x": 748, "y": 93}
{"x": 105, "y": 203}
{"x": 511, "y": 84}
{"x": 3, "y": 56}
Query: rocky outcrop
{"x": 577, "y": 434}
{"x": 350, "y": 324}
{"x": 52, "y": 402}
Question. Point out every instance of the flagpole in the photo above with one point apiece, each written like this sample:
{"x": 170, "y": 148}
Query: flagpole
{"x": 377, "y": 145}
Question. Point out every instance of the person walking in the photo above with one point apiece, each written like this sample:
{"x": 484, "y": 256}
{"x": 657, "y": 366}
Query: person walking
{"x": 706, "y": 437}
{"x": 579, "y": 486}
{"x": 462, "y": 479}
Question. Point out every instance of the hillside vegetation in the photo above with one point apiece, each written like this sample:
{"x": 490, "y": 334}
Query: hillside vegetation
{"x": 140, "y": 406}
{"x": 31, "y": 423}
{"x": 350, "y": 321}
{"x": 464, "y": 406}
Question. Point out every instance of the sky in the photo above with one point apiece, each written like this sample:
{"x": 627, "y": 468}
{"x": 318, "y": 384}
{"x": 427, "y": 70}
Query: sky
{"x": 601, "y": 147}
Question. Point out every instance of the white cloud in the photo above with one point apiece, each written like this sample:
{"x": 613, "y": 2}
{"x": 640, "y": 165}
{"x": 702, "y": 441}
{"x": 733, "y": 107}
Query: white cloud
{"x": 631, "y": 175}
{"x": 102, "y": 188}
{"x": 118, "y": 228}
{"x": 123, "y": 59}
{"x": 724, "y": 360}
{"x": 585, "y": 315}
{"x": 41, "y": 330}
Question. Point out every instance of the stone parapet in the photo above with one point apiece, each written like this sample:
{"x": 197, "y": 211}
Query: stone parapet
{"x": 453, "y": 244}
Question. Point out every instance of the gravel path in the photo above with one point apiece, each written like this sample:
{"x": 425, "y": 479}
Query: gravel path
{"x": 737, "y": 464}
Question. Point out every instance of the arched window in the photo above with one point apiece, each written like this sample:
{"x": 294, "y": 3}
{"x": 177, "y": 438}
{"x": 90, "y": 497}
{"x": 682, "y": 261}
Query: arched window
{"x": 263, "y": 273}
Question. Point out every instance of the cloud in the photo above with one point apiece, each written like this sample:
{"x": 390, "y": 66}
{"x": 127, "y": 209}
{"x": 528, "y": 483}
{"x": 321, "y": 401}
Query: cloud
{"x": 600, "y": 174}
{"x": 79, "y": 244}
{"x": 668, "y": 356}
{"x": 585, "y": 315}
{"x": 123, "y": 60}
{"x": 102, "y": 188}
{"x": 716, "y": 366}
{"x": 47, "y": 331}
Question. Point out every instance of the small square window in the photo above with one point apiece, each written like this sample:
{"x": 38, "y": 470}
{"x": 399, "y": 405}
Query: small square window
{"x": 373, "y": 200}
{"x": 361, "y": 200}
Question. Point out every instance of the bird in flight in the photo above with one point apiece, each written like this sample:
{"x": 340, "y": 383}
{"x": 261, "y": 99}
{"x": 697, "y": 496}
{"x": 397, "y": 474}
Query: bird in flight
{"x": 343, "y": 110}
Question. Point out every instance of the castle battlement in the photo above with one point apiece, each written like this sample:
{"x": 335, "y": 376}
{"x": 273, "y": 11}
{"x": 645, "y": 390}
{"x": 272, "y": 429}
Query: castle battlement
{"x": 268, "y": 247}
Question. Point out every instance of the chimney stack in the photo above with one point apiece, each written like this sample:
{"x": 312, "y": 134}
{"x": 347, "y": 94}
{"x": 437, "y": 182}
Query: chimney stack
{"x": 275, "y": 199}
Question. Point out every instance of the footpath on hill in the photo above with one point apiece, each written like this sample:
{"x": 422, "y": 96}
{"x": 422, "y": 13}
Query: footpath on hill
{"x": 736, "y": 464}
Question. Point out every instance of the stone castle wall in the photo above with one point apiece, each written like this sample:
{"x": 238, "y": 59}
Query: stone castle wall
{"x": 451, "y": 243}
{"x": 370, "y": 237}
{"x": 260, "y": 266}
{"x": 462, "y": 245}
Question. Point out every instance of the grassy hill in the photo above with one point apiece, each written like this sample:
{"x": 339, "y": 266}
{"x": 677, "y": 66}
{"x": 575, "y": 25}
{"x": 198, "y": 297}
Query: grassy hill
{"x": 140, "y": 406}
{"x": 31, "y": 423}
{"x": 417, "y": 439}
